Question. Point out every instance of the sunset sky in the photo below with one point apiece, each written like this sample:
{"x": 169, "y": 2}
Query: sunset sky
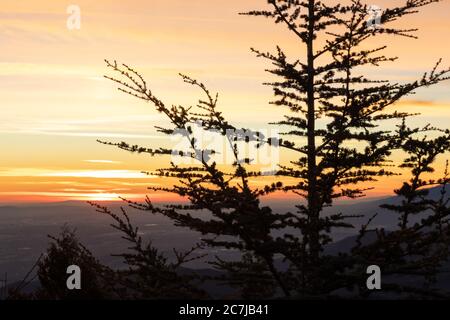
{"x": 55, "y": 103}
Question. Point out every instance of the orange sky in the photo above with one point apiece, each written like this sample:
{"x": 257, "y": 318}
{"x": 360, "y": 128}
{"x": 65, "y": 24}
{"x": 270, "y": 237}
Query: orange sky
{"x": 55, "y": 104}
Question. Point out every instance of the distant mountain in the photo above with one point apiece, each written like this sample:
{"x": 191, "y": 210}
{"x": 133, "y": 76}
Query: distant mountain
{"x": 385, "y": 219}
{"x": 24, "y": 230}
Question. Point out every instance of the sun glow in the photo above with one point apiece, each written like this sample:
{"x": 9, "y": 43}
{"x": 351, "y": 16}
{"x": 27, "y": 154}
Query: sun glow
{"x": 101, "y": 197}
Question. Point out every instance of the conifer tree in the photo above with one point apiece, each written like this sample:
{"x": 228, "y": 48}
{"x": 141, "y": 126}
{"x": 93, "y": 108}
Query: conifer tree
{"x": 283, "y": 252}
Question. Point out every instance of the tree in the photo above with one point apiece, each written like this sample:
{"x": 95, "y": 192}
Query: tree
{"x": 282, "y": 253}
{"x": 238, "y": 221}
{"x": 327, "y": 86}
{"x": 419, "y": 247}
{"x": 148, "y": 273}
{"x": 64, "y": 251}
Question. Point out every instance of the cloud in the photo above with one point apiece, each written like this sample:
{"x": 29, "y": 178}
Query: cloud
{"x": 102, "y": 161}
{"x": 69, "y": 196}
{"x": 134, "y": 126}
{"x": 42, "y": 69}
{"x": 100, "y": 174}
{"x": 27, "y": 16}
{"x": 117, "y": 174}
{"x": 418, "y": 102}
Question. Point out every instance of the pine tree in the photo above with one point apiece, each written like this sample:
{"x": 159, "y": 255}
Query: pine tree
{"x": 64, "y": 251}
{"x": 284, "y": 252}
{"x": 351, "y": 148}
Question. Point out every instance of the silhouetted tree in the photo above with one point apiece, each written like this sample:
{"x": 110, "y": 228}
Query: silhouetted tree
{"x": 351, "y": 148}
{"x": 334, "y": 158}
{"x": 64, "y": 251}
{"x": 419, "y": 247}
{"x": 239, "y": 222}
{"x": 148, "y": 273}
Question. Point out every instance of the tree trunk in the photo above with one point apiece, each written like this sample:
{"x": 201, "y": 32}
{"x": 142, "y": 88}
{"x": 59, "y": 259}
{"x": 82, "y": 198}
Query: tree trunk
{"x": 313, "y": 210}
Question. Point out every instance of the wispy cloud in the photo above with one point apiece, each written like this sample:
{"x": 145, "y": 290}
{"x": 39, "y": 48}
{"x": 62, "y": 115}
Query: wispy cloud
{"x": 71, "y": 195}
{"x": 133, "y": 126}
{"x": 102, "y": 161}
{"x": 419, "y": 102}
{"x": 117, "y": 174}
{"x": 46, "y": 69}
{"x": 103, "y": 174}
